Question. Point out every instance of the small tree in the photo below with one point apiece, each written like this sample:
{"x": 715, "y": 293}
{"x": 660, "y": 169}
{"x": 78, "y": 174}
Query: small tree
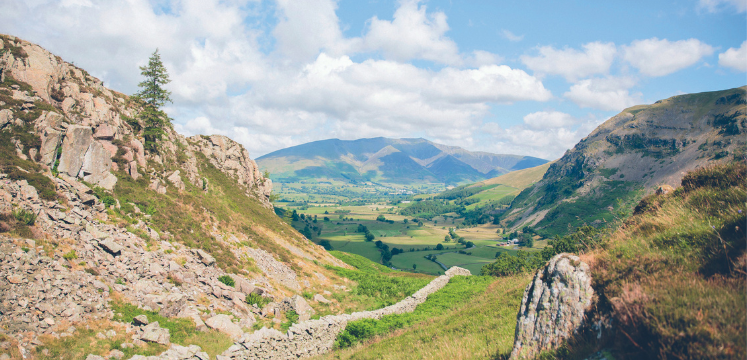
{"x": 153, "y": 96}
{"x": 156, "y": 77}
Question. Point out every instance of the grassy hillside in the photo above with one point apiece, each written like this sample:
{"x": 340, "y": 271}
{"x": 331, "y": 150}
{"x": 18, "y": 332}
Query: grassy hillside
{"x": 478, "y": 322}
{"x": 673, "y": 278}
{"x": 519, "y": 179}
{"x": 629, "y": 156}
{"x": 470, "y": 318}
{"x": 670, "y": 280}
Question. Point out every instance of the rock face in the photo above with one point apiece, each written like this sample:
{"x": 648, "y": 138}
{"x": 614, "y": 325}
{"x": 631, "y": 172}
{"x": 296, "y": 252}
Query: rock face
{"x": 315, "y": 337}
{"x": 553, "y": 306}
{"x": 231, "y": 158}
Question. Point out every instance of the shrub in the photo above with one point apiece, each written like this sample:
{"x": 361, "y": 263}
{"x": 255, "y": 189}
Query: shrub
{"x": 292, "y": 317}
{"x": 24, "y": 216}
{"x": 256, "y": 299}
{"x": 70, "y": 256}
{"x": 227, "y": 279}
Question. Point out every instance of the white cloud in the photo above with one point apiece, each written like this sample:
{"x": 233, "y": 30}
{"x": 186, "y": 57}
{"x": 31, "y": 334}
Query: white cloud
{"x": 511, "y": 36}
{"x": 548, "y": 119}
{"x": 307, "y": 27}
{"x": 611, "y": 93}
{"x": 717, "y": 5}
{"x": 480, "y": 58}
{"x": 572, "y": 64}
{"x": 225, "y": 81}
{"x": 734, "y": 58}
{"x": 654, "y": 57}
{"x": 413, "y": 34}
{"x": 549, "y": 142}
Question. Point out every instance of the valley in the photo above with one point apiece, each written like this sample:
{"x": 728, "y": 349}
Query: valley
{"x": 414, "y": 223}
{"x": 122, "y": 238}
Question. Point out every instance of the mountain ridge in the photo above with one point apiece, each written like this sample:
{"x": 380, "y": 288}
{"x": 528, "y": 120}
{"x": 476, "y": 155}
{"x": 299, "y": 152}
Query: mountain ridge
{"x": 390, "y": 160}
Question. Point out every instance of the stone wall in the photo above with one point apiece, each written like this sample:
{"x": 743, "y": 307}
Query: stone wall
{"x": 315, "y": 337}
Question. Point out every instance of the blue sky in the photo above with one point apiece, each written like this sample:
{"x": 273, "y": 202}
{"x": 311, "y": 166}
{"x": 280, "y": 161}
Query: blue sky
{"x": 522, "y": 77}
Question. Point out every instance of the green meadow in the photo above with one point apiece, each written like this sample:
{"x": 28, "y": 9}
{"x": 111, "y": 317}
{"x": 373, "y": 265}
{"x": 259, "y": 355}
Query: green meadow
{"x": 417, "y": 238}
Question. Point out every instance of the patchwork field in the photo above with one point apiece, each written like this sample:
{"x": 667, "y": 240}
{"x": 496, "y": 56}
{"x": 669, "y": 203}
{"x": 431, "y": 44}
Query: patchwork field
{"x": 405, "y": 233}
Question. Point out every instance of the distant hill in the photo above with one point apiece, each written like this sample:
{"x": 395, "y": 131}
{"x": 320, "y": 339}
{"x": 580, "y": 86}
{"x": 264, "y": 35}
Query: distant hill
{"x": 630, "y": 155}
{"x": 519, "y": 179}
{"x": 399, "y": 161}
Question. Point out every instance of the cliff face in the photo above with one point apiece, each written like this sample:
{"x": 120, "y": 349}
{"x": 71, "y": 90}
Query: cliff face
{"x": 632, "y": 154}
{"x": 88, "y": 123}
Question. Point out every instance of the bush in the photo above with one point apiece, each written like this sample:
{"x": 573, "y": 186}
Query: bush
{"x": 228, "y": 280}
{"x": 24, "y": 217}
{"x": 256, "y": 299}
{"x": 326, "y": 245}
{"x": 70, "y": 256}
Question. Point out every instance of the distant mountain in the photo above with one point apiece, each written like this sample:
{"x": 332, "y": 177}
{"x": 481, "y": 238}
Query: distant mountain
{"x": 398, "y": 161}
{"x": 629, "y": 156}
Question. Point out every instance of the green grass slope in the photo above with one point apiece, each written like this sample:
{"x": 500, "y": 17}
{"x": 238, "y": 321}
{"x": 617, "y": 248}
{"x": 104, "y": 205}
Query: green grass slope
{"x": 629, "y": 156}
{"x": 470, "y": 318}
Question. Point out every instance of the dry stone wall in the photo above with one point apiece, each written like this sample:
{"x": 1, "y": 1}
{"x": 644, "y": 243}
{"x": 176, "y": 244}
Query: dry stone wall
{"x": 315, "y": 337}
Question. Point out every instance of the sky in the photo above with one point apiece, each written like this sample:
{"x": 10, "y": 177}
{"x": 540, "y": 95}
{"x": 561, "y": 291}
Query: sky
{"x": 510, "y": 77}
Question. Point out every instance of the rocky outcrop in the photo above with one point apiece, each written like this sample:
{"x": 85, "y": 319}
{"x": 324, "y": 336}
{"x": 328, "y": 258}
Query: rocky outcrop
{"x": 232, "y": 158}
{"x": 299, "y": 305}
{"x": 553, "y": 306}
{"x": 315, "y": 337}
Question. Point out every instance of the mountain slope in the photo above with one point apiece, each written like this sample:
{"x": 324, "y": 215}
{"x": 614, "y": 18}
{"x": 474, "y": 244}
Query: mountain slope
{"x": 399, "y": 161}
{"x": 179, "y": 229}
{"x": 630, "y": 155}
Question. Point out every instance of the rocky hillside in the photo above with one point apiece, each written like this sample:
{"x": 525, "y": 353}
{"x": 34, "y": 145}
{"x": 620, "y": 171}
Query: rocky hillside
{"x": 95, "y": 220}
{"x": 630, "y": 155}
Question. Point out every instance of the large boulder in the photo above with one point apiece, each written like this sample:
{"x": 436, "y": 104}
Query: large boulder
{"x": 77, "y": 141}
{"x": 299, "y": 305}
{"x": 223, "y": 323}
{"x": 553, "y": 306}
{"x": 154, "y": 333}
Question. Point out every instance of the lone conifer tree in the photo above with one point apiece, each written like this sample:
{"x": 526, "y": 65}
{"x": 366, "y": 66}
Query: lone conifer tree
{"x": 156, "y": 77}
{"x": 153, "y": 96}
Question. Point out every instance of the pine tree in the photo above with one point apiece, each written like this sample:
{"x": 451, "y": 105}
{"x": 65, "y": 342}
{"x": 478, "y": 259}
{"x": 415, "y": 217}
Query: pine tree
{"x": 153, "y": 96}
{"x": 156, "y": 77}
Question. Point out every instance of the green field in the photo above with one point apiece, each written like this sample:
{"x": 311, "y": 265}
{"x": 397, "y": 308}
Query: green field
{"x": 417, "y": 237}
{"x": 416, "y": 241}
